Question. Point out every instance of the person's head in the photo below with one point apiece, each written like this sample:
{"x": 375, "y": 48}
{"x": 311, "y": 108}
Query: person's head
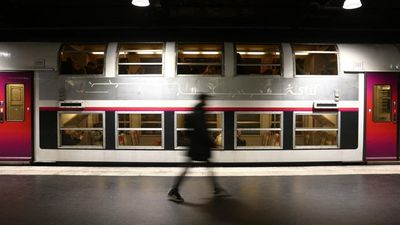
{"x": 203, "y": 98}
{"x": 91, "y": 67}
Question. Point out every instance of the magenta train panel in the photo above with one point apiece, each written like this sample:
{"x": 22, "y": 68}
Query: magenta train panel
{"x": 16, "y": 136}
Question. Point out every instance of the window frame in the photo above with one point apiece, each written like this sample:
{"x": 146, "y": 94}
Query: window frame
{"x": 188, "y": 129}
{"x": 259, "y": 75}
{"x": 339, "y": 72}
{"x": 162, "y": 63}
{"x": 259, "y": 129}
{"x": 83, "y": 147}
{"x": 222, "y": 64}
{"x": 314, "y": 147}
{"x": 83, "y": 74}
{"x": 154, "y": 147}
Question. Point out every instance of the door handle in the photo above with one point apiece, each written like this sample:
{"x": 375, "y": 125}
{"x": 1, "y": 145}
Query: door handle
{"x": 1, "y": 115}
{"x": 394, "y": 119}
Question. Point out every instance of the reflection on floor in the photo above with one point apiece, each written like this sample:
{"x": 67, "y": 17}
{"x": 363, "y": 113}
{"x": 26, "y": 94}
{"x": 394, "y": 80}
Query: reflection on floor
{"x": 117, "y": 200}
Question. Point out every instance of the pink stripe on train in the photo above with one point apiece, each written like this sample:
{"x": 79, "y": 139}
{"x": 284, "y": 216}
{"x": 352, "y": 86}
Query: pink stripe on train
{"x": 190, "y": 108}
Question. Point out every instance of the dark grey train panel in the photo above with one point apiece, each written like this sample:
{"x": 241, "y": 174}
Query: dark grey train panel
{"x": 349, "y": 130}
{"x": 288, "y": 130}
{"x": 169, "y": 131}
{"x": 229, "y": 133}
{"x": 48, "y": 129}
{"x": 110, "y": 130}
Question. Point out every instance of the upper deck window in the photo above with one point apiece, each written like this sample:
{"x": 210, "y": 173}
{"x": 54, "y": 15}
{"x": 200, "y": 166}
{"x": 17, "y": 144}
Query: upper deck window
{"x": 200, "y": 59}
{"x": 137, "y": 59}
{"x": 258, "y": 59}
{"x": 316, "y": 59}
{"x": 82, "y": 58}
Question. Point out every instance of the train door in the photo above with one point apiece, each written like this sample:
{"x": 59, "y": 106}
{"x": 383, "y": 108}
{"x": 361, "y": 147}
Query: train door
{"x": 15, "y": 116}
{"x": 381, "y": 116}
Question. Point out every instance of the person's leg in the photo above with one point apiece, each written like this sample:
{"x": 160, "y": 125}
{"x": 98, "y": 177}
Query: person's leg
{"x": 213, "y": 179}
{"x": 173, "y": 194}
{"x": 180, "y": 178}
{"x": 218, "y": 190}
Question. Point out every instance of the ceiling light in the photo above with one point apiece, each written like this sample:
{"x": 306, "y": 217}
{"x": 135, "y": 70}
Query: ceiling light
{"x": 201, "y": 52}
{"x": 210, "y": 53}
{"x": 314, "y": 52}
{"x": 4, "y": 54}
{"x": 352, "y": 4}
{"x": 148, "y": 52}
{"x": 251, "y": 53}
{"x": 191, "y": 53}
{"x": 301, "y": 53}
{"x": 141, "y": 3}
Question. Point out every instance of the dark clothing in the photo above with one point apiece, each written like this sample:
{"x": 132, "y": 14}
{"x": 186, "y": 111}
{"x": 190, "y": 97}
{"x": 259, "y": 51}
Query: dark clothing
{"x": 199, "y": 148}
{"x": 200, "y": 144}
{"x": 240, "y": 142}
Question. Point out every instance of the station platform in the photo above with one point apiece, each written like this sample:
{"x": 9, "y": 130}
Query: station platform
{"x": 320, "y": 195}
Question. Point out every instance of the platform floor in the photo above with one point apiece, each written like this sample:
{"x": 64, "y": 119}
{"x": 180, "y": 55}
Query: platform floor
{"x": 66, "y": 195}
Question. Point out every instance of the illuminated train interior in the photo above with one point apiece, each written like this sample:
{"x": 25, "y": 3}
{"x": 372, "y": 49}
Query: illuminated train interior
{"x": 128, "y": 102}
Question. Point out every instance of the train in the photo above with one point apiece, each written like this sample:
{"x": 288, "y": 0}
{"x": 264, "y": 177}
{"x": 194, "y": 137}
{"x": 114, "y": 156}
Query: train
{"x": 127, "y": 102}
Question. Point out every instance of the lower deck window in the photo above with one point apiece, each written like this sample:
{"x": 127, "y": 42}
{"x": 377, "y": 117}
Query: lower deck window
{"x": 214, "y": 122}
{"x": 316, "y": 130}
{"x": 139, "y": 130}
{"x": 81, "y": 129}
{"x": 258, "y": 130}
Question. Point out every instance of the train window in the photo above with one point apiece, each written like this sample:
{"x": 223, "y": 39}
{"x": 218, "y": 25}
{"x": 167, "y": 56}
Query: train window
{"x": 258, "y": 130}
{"x": 258, "y": 59}
{"x": 139, "y": 130}
{"x": 382, "y": 103}
{"x": 81, "y": 129}
{"x": 316, "y": 130}
{"x": 142, "y": 59}
{"x": 200, "y": 59}
{"x": 316, "y": 59}
{"x": 214, "y": 122}
{"x": 82, "y": 58}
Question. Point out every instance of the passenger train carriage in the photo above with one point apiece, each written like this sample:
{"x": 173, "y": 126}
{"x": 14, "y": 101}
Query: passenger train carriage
{"x": 128, "y": 102}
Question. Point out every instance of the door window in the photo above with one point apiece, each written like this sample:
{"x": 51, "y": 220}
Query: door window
{"x": 15, "y": 102}
{"x": 382, "y": 106}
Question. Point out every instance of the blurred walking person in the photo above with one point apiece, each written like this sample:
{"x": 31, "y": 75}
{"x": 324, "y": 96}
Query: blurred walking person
{"x": 199, "y": 150}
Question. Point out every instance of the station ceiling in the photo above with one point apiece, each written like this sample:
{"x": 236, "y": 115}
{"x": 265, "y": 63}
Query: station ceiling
{"x": 200, "y": 20}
